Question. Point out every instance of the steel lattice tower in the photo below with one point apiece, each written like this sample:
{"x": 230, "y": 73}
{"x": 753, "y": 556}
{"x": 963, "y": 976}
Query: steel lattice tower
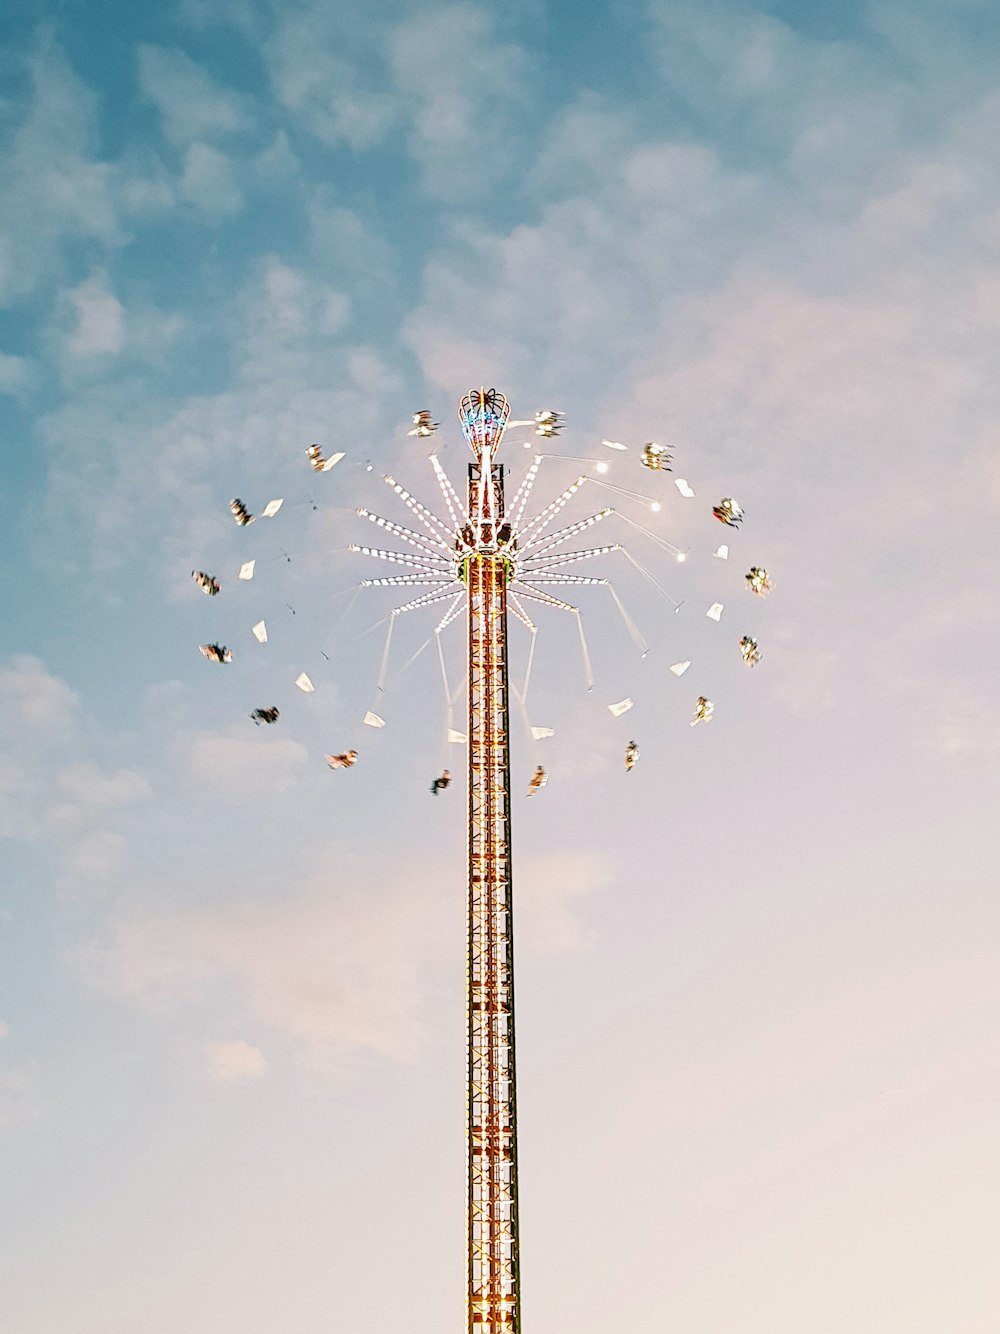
{"x": 494, "y": 1295}
{"x": 489, "y": 557}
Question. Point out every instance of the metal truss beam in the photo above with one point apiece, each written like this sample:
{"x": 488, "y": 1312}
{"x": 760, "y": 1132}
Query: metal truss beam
{"x": 494, "y": 1293}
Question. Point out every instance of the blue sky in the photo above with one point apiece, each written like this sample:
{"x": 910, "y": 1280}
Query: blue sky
{"x": 757, "y": 982}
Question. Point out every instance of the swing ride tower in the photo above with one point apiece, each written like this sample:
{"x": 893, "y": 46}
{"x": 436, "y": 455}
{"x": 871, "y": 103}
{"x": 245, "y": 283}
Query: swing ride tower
{"x": 488, "y": 558}
{"x": 493, "y": 1296}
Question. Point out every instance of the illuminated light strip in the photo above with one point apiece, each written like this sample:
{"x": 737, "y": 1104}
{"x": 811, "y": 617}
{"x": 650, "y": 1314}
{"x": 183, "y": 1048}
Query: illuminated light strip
{"x": 570, "y": 531}
{"x": 398, "y": 530}
{"x": 455, "y": 506}
{"x": 407, "y": 581}
{"x": 564, "y": 558}
{"x": 536, "y": 595}
{"x": 403, "y": 558}
{"x": 568, "y": 579}
{"x": 634, "y": 633}
{"x": 520, "y": 613}
{"x": 427, "y": 517}
{"x": 453, "y": 612}
{"x": 541, "y": 521}
{"x": 520, "y": 501}
{"x": 425, "y": 600}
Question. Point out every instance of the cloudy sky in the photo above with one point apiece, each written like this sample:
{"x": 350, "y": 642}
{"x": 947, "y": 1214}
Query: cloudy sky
{"x": 758, "y": 991}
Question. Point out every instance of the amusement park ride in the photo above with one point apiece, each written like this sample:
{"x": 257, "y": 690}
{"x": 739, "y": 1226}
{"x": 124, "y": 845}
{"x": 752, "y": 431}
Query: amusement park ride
{"x": 490, "y": 560}
{"x": 497, "y": 561}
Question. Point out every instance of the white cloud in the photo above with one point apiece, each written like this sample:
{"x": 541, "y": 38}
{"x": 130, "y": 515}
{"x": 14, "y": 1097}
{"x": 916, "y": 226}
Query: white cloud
{"x": 99, "y": 320}
{"x": 790, "y": 91}
{"x": 85, "y": 783}
{"x": 53, "y": 185}
{"x": 290, "y": 388}
{"x": 88, "y": 798}
{"x": 152, "y": 334}
{"x": 206, "y": 15}
{"x": 281, "y": 317}
{"x": 340, "y": 239}
{"x": 18, "y": 1099}
{"x": 146, "y": 191}
{"x": 94, "y": 856}
{"x": 70, "y": 806}
{"x": 336, "y": 313}
{"x": 4, "y": 1030}
{"x": 370, "y": 372}
{"x": 284, "y": 291}
{"x": 807, "y": 675}
{"x": 13, "y": 373}
{"x": 833, "y": 347}
{"x": 34, "y": 699}
{"x": 278, "y": 162}
{"x": 191, "y": 103}
{"x": 460, "y": 84}
{"x": 966, "y": 727}
{"x": 583, "y": 143}
{"x": 331, "y": 968}
{"x": 20, "y": 800}
{"x": 551, "y": 890}
{"x": 330, "y": 94}
{"x": 238, "y": 764}
{"x": 92, "y": 329}
{"x": 233, "y": 1062}
{"x": 209, "y": 181}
